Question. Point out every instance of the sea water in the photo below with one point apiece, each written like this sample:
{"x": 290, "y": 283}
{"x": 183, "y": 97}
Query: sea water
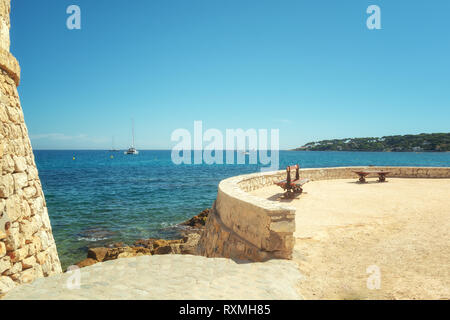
{"x": 96, "y": 198}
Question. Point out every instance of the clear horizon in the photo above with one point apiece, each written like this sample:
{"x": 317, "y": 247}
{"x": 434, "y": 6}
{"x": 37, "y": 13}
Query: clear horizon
{"x": 313, "y": 70}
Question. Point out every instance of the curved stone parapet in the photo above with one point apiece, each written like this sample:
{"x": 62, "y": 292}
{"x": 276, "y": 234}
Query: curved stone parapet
{"x": 242, "y": 226}
{"x": 245, "y": 227}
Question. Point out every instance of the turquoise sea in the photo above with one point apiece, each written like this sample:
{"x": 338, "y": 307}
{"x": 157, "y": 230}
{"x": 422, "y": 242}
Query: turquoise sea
{"x": 103, "y": 197}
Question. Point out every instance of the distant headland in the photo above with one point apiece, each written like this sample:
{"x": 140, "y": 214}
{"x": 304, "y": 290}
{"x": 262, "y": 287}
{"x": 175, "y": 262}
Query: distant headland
{"x": 424, "y": 142}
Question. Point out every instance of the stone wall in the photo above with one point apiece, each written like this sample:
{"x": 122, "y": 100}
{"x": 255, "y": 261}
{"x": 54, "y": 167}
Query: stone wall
{"x": 242, "y": 226}
{"x": 258, "y": 180}
{"x": 27, "y": 247}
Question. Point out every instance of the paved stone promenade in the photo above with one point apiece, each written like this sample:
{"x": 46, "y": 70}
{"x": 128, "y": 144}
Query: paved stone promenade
{"x": 171, "y": 277}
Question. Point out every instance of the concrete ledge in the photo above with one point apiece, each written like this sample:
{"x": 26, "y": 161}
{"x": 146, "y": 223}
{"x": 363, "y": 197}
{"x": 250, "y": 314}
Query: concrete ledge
{"x": 163, "y": 277}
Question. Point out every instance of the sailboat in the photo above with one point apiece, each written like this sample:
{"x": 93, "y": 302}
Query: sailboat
{"x": 132, "y": 149}
{"x": 113, "y": 149}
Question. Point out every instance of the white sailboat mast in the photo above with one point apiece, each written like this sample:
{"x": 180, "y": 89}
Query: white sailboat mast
{"x": 133, "y": 132}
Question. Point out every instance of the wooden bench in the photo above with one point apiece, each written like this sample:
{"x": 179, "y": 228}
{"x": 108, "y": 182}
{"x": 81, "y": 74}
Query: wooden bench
{"x": 292, "y": 187}
{"x": 363, "y": 174}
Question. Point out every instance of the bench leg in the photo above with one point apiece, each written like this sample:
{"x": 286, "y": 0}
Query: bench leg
{"x": 382, "y": 178}
{"x": 291, "y": 193}
{"x": 362, "y": 179}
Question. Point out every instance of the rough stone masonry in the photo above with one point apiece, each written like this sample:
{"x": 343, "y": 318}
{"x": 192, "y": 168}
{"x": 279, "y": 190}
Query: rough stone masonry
{"x": 27, "y": 247}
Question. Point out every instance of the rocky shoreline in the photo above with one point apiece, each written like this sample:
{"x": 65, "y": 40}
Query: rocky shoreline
{"x": 185, "y": 245}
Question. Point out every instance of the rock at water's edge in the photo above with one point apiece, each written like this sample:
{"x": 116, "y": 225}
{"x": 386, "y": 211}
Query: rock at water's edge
{"x": 186, "y": 245}
{"x": 198, "y": 221}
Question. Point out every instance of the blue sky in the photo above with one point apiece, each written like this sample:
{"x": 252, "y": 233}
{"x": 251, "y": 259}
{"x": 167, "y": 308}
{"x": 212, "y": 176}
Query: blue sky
{"x": 309, "y": 68}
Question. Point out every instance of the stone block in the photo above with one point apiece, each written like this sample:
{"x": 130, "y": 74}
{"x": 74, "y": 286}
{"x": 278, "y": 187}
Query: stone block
{"x": 2, "y": 146}
{"x": 32, "y": 173}
{"x": 6, "y": 284}
{"x": 35, "y": 246}
{"x": 20, "y": 180}
{"x": 283, "y": 226}
{"x": 3, "y": 115}
{"x": 29, "y": 192}
{"x": 5, "y": 264}
{"x": 25, "y": 209}
{"x": 28, "y": 263}
{"x": 2, "y": 249}
{"x": 44, "y": 239}
{"x": 16, "y": 268}
{"x": 19, "y": 254}
{"x": 6, "y": 185}
{"x": 27, "y": 276}
{"x": 41, "y": 257}
{"x": 13, "y": 207}
{"x": 46, "y": 219}
{"x": 7, "y": 165}
{"x": 13, "y": 239}
{"x": 37, "y": 205}
{"x": 26, "y": 229}
{"x": 36, "y": 223}
{"x": 13, "y": 114}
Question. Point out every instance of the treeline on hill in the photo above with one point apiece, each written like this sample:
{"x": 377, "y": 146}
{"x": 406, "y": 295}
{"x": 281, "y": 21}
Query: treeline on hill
{"x": 417, "y": 143}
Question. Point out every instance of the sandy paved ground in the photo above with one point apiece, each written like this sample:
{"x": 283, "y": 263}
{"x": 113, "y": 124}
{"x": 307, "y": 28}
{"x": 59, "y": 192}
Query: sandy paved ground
{"x": 176, "y": 277}
{"x": 402, "y": 227}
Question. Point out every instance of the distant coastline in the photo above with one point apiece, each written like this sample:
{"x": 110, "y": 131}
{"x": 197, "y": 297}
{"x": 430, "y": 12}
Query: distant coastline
{"x": 387, "y": 151}
{"x": 424, "y": 142}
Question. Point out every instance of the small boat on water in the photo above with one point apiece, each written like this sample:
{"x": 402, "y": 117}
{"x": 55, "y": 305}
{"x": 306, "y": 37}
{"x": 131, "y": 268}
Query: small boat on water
{"x": 112, "y": 147}
{"x": 132, "y": 149}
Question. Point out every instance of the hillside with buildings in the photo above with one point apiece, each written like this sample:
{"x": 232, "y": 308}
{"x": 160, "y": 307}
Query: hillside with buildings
{"x": 406, "y": 143}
